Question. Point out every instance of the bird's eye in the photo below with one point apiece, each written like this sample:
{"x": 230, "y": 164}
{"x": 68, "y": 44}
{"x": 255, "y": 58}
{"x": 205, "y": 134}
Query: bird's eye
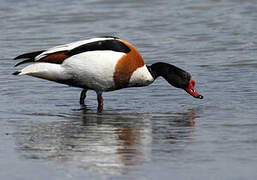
{"x": 192, "y": 90}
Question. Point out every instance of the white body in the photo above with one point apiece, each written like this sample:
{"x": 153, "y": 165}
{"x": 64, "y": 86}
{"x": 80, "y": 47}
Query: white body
{"x": 91, "y": 70}
{"x": 141, "y": 77}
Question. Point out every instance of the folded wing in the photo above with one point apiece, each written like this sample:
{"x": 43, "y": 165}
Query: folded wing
{"x": 58, "y": 54}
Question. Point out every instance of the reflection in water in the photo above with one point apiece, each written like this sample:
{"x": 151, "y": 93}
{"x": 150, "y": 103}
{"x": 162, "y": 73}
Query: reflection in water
{"x": 108, "y": 142}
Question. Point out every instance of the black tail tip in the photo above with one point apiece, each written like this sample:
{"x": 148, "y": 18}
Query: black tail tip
{"x": 16, "y": 73}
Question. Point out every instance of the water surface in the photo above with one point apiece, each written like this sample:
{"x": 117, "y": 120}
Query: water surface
{"x": 154, "y": 132}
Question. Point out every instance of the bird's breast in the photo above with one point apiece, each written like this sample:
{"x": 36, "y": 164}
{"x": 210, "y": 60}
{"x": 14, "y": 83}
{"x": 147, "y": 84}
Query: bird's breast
{"x": 141, "y": 77}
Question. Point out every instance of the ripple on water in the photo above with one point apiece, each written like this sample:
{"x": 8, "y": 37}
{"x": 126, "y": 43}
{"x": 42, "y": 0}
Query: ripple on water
{"x": 109, "y": 141}
{"x": 143, "y": 133}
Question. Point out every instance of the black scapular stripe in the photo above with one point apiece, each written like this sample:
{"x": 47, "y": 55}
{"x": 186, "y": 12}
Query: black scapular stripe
{"x": 30, "y": 55}
{"x": 113, "y": 45}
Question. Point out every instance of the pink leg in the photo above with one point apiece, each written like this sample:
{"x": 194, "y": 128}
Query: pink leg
{"x": 83, "y": 96}
{"x": 100, "y": 102}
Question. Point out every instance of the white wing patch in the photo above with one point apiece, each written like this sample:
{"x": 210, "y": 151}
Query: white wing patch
{"x": 67, "y": 47}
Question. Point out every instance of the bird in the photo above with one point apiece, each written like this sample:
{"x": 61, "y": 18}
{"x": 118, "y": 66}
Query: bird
{"x": 101, "y": 64}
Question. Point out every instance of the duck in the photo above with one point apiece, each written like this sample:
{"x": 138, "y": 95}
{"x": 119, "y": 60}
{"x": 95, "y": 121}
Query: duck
{"x": 101, "y": 64}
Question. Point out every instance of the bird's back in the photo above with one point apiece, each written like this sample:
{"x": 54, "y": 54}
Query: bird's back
{"x": 101, "y": 64}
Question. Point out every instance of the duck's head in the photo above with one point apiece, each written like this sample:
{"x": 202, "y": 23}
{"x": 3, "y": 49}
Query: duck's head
{"x": 191, "y": 90}
{"x": 176, "y": 77}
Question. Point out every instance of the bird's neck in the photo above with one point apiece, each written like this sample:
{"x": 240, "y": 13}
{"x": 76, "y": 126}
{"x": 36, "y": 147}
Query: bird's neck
{"x": 152, "y": 71}
{"x": 174, "y": 75}
{"x": 163, "y": 69}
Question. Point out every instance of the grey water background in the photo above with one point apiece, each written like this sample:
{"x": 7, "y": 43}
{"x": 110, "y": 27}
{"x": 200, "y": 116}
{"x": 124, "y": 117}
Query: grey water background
{"x": 154, "y": 132}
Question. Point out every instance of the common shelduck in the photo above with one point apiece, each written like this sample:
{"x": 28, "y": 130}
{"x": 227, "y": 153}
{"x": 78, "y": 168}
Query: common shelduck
{"x": 101, "y": 64}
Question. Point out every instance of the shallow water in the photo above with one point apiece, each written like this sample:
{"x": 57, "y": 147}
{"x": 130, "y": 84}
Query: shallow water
{"x": 143, "y": 133}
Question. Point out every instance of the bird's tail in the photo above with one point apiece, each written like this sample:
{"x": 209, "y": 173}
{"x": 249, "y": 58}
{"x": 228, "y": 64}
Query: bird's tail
{"x": 29, "y": 57}
{"x": 52, "y": 72}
